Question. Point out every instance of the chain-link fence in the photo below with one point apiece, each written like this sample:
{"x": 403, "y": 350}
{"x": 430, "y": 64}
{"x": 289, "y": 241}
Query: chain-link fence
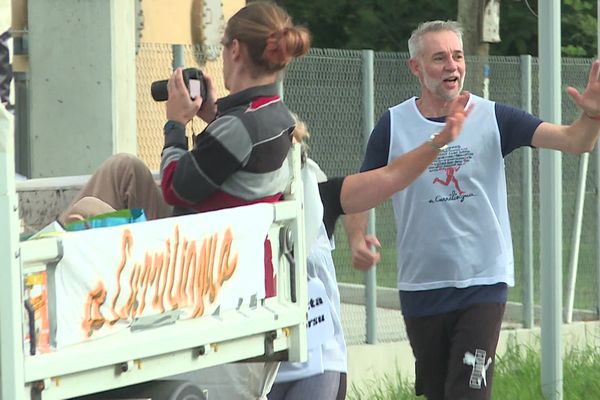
{"x": 325, "y": 89}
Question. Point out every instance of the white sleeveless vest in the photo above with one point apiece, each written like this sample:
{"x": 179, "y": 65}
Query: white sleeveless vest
{"x": 452, "y": 222}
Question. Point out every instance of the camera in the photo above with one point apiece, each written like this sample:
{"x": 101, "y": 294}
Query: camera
{"x": 193, "y": 79}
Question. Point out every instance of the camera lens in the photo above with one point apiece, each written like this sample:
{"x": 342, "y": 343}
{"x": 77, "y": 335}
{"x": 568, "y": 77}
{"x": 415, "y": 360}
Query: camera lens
{"x": 159, "y": 91}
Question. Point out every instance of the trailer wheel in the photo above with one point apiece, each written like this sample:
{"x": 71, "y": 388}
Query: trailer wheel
{"x": 176, "y": 390}
{"x": 155, "y": 390}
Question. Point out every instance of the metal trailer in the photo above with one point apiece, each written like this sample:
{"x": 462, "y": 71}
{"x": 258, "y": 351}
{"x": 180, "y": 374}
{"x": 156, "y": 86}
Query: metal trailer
{"x": 273, "y": 329}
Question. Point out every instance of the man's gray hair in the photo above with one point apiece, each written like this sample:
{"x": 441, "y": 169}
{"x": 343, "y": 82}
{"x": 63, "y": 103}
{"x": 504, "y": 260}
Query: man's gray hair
{"x": 414, "y": 43}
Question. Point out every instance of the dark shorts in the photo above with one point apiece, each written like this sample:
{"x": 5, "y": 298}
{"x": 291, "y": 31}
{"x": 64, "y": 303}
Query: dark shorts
{"x": 455, "y": 352}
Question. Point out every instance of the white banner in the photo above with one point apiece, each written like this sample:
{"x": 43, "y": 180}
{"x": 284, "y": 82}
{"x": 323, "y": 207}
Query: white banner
{"x": 118, "y": 278}
{"x": 320, "y": 323}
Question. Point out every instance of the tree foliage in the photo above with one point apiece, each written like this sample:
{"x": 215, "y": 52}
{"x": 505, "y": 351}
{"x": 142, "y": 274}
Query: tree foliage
{"x": 579, "y": 34}
{"x": 519, "y": 28}
{"x": 385, "y": 25}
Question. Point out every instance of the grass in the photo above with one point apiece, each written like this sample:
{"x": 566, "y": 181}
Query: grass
{"x": 517, "y": 376}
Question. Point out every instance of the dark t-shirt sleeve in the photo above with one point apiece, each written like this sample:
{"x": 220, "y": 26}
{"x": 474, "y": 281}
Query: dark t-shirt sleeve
{"x": 516, "y": 127}
{"x": 330, "y": 191}
{"x": 378, "y": 146}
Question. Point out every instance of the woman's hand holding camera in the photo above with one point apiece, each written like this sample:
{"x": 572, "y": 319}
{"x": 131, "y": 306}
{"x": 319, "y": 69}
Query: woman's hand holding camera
{"x": 208, "y": 109}
{"x": 180, "y": 107}
{"x": 183, "y": 105}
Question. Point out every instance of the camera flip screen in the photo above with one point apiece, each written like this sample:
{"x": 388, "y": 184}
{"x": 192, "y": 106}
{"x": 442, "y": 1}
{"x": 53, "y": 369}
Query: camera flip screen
{"x": 194, "y": 88}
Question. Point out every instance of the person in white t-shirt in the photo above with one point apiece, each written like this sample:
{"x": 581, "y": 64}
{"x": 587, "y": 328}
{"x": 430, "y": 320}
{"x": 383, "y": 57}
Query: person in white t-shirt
{"x": 323, "y": 376}
{"x": 454, "y": 247}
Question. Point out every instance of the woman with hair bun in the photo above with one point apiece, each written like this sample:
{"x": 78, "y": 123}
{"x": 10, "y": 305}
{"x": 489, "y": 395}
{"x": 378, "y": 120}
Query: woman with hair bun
{"x": 239, "y": 158}
{"x": 263, "y": 32}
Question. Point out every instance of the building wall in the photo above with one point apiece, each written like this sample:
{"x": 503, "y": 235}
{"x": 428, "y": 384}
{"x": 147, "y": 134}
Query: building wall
{"x": 162, "y": 21}
{"x": 5, "y": 13}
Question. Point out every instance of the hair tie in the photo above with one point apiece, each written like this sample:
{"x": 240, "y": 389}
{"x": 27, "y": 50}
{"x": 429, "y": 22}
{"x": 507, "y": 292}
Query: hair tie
{"x": 276, "y": 48}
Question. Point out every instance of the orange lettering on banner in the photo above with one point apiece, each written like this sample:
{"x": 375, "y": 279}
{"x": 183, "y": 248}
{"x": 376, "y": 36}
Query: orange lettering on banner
{"x": 92, "y": 317}
{"x": 126, "y": 245}
{"x": 227, "y": 266}
{"x": 201, "y": 280}
{"x": 177, "y": 295}
{"x": 210, "y": 263}
{"x": 162, "y": 280}
{"x": 148, "y": 270}
{"x": 185, "y": 274}
{"x": 172, "y": 267}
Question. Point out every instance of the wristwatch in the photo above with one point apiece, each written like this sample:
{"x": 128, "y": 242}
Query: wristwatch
{"x": 173, "y": 125}
{"x": 435, "y": 146}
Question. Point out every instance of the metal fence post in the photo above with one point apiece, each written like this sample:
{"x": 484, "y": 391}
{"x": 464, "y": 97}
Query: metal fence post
{"x": 550, "y": 204}
{"x": 527, "y": 202}
{"x": 178, "y": 56}
{"x": 368, "y": 111}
